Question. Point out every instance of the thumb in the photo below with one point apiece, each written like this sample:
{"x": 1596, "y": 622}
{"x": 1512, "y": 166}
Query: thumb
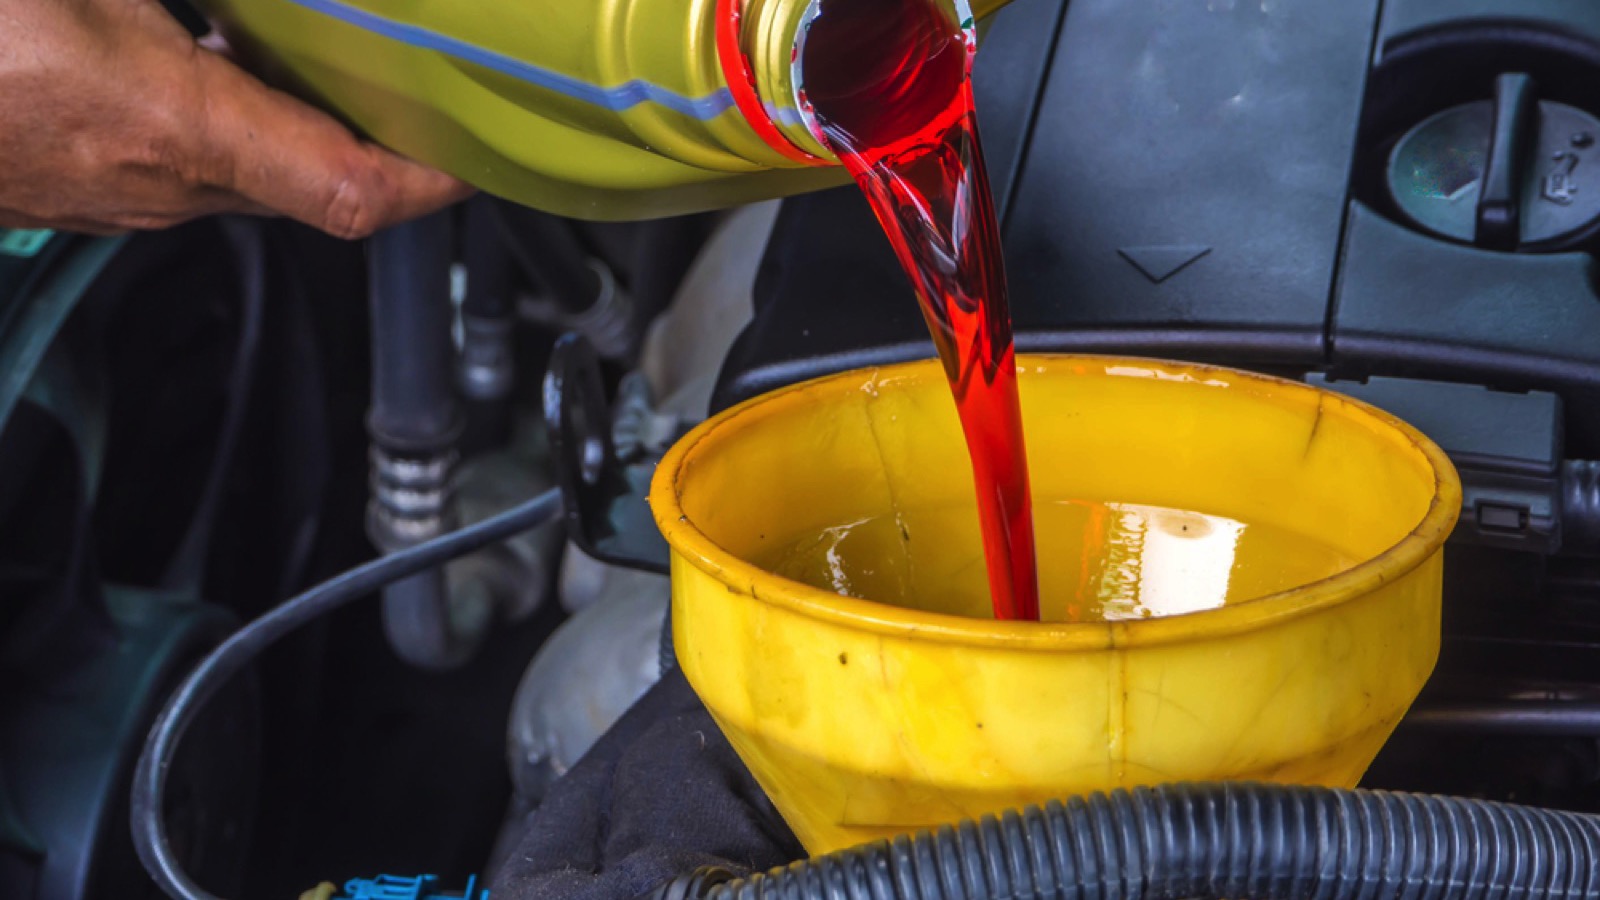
{"x": 278, "y": 153}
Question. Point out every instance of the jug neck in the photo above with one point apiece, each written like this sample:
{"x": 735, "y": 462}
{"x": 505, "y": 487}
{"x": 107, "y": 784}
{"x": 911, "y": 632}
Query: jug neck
{"x": 759, "y": 44}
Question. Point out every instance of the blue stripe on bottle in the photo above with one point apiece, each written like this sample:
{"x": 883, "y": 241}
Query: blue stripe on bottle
{"x": 623, "y": 96}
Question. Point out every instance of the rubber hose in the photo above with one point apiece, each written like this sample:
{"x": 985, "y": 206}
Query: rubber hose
{"x": 486, "y": 364}
{"x": 414, "y": 405}
{"x": 1523, "y": 718}
{"x": 148, "y": 802}
{"x": 548, "y": 250}
{"x": 414, "y": 423}
{"x": 1235, "y": 841}
{"x": 488, "y": 261}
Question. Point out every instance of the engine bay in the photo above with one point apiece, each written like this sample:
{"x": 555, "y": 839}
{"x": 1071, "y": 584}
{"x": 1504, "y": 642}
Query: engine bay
{"x": 1394, "y": 200}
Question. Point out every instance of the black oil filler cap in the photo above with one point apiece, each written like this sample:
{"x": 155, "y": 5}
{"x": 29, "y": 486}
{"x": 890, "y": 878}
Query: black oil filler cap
{"x": 1509, "y": 173}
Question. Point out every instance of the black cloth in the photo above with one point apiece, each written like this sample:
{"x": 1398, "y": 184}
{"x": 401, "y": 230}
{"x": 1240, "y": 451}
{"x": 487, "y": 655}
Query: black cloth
{"x": 660, "y": 795}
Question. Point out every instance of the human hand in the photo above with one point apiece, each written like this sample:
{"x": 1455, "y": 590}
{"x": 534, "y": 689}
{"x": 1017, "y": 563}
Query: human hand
{"x": 112, "y": 117}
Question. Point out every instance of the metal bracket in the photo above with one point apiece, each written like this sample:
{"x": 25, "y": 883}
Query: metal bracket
{"x": 604, "y": 496}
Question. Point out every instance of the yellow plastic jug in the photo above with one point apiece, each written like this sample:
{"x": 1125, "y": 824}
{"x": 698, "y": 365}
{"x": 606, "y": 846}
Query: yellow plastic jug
{"x": 864, "y": 719}
{"x": 598, "y": 109}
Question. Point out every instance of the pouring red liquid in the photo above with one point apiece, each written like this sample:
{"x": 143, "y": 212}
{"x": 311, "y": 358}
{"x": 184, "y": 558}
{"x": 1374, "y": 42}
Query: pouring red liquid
{"x": 889, "y": 85}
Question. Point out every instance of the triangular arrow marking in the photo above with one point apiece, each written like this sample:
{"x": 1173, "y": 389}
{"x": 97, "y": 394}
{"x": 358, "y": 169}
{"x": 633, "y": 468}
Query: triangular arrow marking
{"x": 1162, "y": 261}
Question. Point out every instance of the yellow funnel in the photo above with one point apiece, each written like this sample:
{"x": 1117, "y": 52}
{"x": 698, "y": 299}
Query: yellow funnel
{"x": 864, "y": 719}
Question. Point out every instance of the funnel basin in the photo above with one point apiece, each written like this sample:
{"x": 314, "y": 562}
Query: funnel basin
{"x": 906, "y": 706}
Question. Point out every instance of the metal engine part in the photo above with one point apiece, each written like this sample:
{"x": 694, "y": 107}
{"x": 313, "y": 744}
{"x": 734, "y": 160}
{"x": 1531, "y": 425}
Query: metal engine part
{"x": 585, "y": 677}
{"x": 514, "y": 578}
{"x": 599, "y": 662}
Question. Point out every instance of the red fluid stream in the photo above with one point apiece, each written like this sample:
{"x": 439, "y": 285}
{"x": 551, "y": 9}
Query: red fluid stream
{"x": 889, "y": 84}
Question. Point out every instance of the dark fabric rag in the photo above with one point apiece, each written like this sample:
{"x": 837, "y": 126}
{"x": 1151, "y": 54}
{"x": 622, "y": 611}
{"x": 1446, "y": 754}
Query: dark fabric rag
{"x": 660, "y": 795}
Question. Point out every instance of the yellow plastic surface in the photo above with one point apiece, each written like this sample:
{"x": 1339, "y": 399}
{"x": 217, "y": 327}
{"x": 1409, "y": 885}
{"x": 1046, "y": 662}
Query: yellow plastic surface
{"x": 536, "y": 146}
{"x": 528, "y": 142}
{"x": 864, "y": 720}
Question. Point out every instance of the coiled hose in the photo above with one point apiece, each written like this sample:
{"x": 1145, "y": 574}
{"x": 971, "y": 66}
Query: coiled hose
{"x": 1235, "y": 841}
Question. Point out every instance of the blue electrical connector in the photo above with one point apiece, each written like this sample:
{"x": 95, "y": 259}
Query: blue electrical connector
{"x": 416, "y": 887}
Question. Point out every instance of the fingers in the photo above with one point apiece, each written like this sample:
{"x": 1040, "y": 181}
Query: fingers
{"x": 113, "y": 118}
{"x": 278, "y": 153}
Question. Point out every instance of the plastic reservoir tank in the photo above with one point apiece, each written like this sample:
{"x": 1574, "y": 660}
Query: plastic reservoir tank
{"x": 864, "y": 719}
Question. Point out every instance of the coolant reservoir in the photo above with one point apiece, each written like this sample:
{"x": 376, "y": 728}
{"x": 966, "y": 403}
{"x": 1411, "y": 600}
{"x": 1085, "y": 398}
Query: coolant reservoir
{"x": 597, "y": 109}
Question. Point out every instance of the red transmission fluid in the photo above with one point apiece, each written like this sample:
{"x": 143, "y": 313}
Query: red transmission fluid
{"x": 888, "y": 86}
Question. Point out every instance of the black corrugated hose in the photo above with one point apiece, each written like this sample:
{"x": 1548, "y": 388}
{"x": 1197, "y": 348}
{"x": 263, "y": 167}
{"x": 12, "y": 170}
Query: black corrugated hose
{"x": 1235, "y": 841}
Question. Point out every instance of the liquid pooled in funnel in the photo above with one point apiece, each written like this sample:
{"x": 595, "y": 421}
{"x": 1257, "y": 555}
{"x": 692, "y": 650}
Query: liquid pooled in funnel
{"x": 888, "y": 84}
{"x": 1100, "y": 562}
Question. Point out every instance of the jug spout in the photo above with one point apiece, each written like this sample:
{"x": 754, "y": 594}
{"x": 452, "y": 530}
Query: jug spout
{"x": 761, "y": 44}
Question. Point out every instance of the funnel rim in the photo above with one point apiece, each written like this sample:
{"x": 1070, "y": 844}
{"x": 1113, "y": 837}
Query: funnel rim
{"x": 1421, "y": 543}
